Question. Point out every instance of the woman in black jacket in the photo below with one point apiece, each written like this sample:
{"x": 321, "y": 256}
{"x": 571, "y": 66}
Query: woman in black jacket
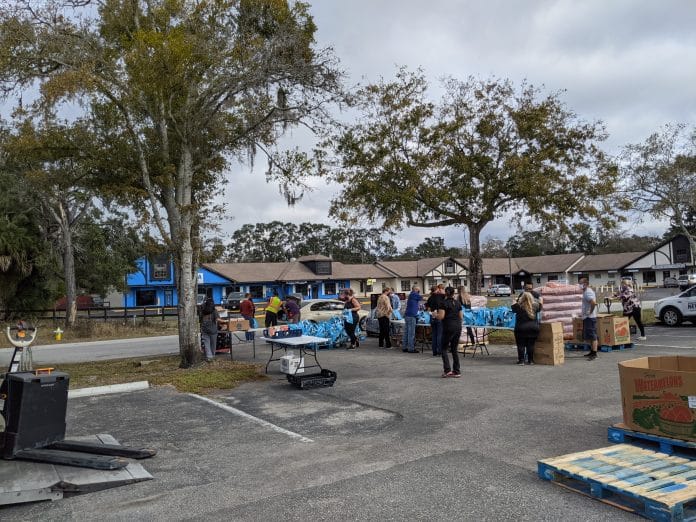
{"x": 526, "y": 326}
{"x": 449, "y": 312}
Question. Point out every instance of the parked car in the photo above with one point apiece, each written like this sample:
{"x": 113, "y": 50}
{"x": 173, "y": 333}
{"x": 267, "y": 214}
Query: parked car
{"x": 670, "y": 282}
{"x": 686, "y": 280}
{"x": 673, "y": 310}
{"x": 318, "y": 310}
{"x": 233, "y": 300}
{"x": 498, "y": 290}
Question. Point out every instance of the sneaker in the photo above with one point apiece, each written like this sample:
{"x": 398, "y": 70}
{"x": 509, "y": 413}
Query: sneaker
{"x": 456, "y": 375}
{"x": 445, "y": 374}
{"x": 520, "y": 362}
{"x": 530, "y": 363}
{"x": 642, "y": 338}
{"x": 592, "y": 356}
{"x": 588, "y": 354}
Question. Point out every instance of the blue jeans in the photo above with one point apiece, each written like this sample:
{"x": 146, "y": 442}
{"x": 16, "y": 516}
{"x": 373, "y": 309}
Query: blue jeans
{"x": 436, "y": 335}
{"x": 410, "y": 334}
{"x": 249, "y": 336}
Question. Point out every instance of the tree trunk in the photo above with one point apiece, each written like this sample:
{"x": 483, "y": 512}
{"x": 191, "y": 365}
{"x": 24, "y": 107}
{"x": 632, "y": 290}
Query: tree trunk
{"x": 475, "y": 263}
{"x": 69, "y": 276}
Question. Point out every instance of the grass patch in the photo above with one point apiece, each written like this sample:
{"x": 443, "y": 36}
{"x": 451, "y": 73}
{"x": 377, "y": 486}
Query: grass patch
{"x": 95, "y": 330}
{"x": 161, "y": 371}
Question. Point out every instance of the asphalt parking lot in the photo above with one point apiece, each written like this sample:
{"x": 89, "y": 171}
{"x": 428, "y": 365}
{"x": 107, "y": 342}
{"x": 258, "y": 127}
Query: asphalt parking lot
{"x": 391, "y": 440}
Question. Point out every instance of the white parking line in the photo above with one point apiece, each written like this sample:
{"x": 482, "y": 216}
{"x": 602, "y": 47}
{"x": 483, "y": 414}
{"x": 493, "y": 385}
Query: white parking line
{"x": 262, "y": 422}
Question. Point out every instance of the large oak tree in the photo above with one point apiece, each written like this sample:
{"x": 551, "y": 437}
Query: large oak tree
{"x": 179, "y": 89}
{"x": 489, "y": 149}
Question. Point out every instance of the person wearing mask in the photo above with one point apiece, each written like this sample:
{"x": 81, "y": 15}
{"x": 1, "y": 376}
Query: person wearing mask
{"x": 449, "y": 312}
{"x": 410, "y": 318}
{"x": 526, "y": 326}
{"x": 209, "y": 329}
{"x": 464, "y": 299}
{"x": 272, "y": 307}
{"x": 353, "y": 305}
{"x": 292, "y": 310}
{"x": 589, "y": 317}
{"x": 631, "y": 305}
{"x": 432, "y": 304}
{"x": 248, "y": 310}
{"x": 383, "y": 313}
{"x": 395, "y": 301}
{"x": 529, "y": 287}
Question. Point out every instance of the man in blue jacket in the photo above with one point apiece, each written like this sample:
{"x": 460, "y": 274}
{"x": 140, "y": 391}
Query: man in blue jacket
{"x": 410, "y": 317}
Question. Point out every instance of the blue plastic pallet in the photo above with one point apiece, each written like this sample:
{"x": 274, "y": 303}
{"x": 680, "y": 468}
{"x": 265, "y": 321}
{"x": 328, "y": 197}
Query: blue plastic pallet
{"x": 601, "y": 347}
{"x": 619, "y": 434}
{"x": 654, "y": 485}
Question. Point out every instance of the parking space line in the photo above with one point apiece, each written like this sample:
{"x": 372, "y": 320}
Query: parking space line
{"x": 262, "y": 422}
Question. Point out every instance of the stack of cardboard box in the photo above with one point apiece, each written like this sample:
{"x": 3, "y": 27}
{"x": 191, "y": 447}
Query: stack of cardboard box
{"x": 611, "y": 330}
{"x": 236, "y": 325}
{"x": 549, "y": 346}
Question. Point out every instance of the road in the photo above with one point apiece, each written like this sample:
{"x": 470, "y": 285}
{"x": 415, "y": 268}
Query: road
{"x": 98, "y": 350}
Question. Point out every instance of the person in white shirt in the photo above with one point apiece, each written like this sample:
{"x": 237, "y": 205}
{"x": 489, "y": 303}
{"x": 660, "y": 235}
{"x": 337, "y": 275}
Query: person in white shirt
{"x": 589, "y": 317}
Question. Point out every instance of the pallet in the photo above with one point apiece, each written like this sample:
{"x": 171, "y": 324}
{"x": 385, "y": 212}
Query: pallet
{"x": 314, "y": 380}
{"x": 602, "y": 347}
{"x": 619, "y": 434}
{"x": 654, "y": 485}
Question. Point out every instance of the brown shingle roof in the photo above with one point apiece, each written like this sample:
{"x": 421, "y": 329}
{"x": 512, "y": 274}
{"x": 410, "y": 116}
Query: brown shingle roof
{"x": 418, "y": 268}
{"x": 606, "y": 261}
{"x": 547, "y": 264}
{"x": 247, "y": 272}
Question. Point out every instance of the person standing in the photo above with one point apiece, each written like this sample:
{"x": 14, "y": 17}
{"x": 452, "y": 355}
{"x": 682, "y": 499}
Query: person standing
{"x": 464, "y": 299}
{"x": 272, "y": 307}
{"x": 434, "y": 303}
{"x": 449, "y": 311}
{"x": 631, "y": 305}
{"x": 248, "y": 311}
{"x": 395, "y": 301}
{"x": 410, "y": 318}
{"x": 526, "y": 326}
{"x": 353, "y": 305}
{"x": 384, "y": 313}
{"x": 292, "y": 310}
{"x": 589, "y": 317}
{"x": 209, "y": 329}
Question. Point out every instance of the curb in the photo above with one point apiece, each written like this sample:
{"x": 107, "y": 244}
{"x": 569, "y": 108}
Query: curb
{"x": 106, "y": 390}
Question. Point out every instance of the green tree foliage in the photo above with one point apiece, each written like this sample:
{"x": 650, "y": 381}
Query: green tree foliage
{"x": 280, "y": 242}
{"x": 489, "y": 148}
{"x": 661, "y": 175}
{"x": 176, "y": 90}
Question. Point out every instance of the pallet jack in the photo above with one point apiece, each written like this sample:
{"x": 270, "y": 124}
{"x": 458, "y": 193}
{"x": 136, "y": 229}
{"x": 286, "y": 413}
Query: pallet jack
{"x": 33, "y": 411}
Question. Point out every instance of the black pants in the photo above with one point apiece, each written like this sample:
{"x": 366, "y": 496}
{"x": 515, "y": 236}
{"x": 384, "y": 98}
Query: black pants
{"x": 350, "y": 330}
{"x": 450, "y": 342}
{"x": 636, "y": 314}
{"x": 384, "y": 332}
{"x": 525, "y": 343}
{"x": 271, "y": 319}
{"x": 470, "y": 333}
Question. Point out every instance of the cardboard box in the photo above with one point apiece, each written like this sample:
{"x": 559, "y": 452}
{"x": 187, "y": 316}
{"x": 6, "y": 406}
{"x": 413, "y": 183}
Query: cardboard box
{"x": 237, "y": 325}
{"x": 613, "y": 330}
{"x": 658, "y": 395}
{"x": 550, "y": 332}
{"x": 550, "y": 352}
{"x": 578, "y": 337}
{"x": 289, "y": 363}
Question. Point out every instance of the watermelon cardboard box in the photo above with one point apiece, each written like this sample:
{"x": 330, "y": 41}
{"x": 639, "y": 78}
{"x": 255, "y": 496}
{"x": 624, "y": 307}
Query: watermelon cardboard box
{"x": 658, "y": 395}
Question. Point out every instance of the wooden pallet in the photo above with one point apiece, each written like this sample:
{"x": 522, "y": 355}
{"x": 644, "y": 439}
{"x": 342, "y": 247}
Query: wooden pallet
{"x": 619, "y": 434}
{"x": 651, "y": 484}
{"x": 602, "y": 347}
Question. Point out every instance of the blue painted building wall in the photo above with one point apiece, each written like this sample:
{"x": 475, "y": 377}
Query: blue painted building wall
{"x": 144, "y": 289}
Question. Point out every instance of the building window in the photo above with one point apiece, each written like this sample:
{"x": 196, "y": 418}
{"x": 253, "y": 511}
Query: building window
{"x": 256, "y": 291}
{"x": 233, "y": 288}
{"x": 329, "y": 288}
{"x": 405, "y": 285}
{"x": 552, "y": 277}
{"x": 160, "y": 271}
{"x": 681, "y": 255}
{"x": 384, "y": 285}
{"x": 649, "y": 276}
{"x": 449, "y": 267}
{"x": 364, "y": 287}
{"x": 456, "y": 282}
{"x": 538, "y": 280}
{"x": 146, "y": 297}
{"x": 431, "y": 283}
{"x": 598, "y": 275}
{"x": 323, "y": 268}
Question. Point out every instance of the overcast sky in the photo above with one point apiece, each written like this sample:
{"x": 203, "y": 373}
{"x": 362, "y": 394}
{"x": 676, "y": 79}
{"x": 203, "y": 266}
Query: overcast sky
{"x": 629, "y": 63}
